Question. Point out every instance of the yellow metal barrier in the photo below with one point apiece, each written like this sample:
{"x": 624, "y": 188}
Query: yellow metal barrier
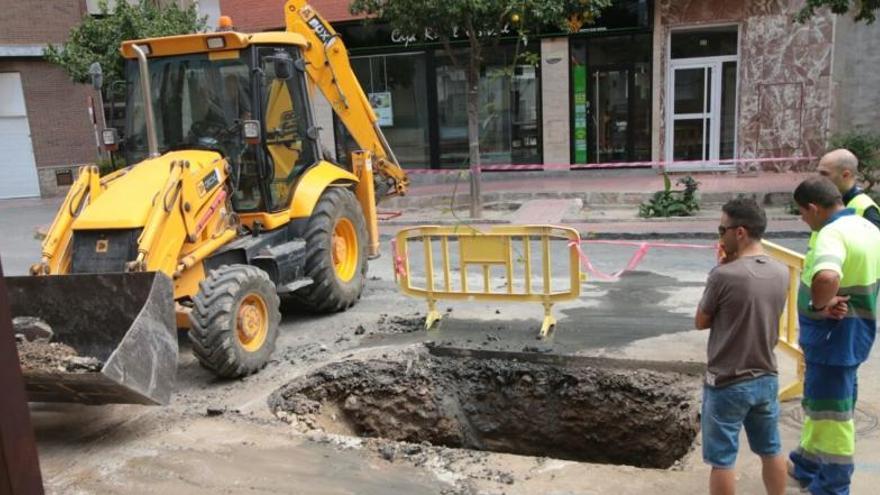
{"x": 509, "y": 249}
{"x": 788, "y": 323}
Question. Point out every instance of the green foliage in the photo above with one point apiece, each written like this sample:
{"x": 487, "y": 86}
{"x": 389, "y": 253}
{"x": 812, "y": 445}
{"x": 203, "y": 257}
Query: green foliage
{"x": 669, "y": 203}
{"x": 107, "y": 166}
{"x": 864, "y": 9}
{"x": 866, "y": 147}
{"x": 97, "y": 39}
{"x": 484, "y": 19}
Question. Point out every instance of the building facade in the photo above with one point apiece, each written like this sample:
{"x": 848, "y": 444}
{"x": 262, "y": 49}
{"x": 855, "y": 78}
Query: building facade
{"x": 46, "y": 126}
{"x": 690, "y": 84}
{"x": 44, "y": 121}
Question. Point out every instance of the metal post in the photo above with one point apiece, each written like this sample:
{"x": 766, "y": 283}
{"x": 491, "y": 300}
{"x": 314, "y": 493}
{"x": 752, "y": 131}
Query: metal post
{"x": 19, "y": 465}
{"x": 152, "y": 141}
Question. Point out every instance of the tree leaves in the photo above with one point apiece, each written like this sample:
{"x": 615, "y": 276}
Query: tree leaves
{"x": 97, "y": 39}
{"x": 864, "y": 9}
{"x": 450, "y": 18}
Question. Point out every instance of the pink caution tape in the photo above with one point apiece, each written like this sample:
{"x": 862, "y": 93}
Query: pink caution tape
{"x": 399, "y": 265}
{"x": 634, "y": 261}
{"x": 564, "y": 166}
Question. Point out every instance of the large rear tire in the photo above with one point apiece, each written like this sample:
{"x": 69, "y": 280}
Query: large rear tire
{"x": 336, "y": 253}
{"x": 235, "y": 320}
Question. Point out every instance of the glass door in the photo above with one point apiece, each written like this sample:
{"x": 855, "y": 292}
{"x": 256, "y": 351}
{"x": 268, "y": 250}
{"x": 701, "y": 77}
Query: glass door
{"x": 701, "y": 125}
{"x": 620, "y": 115}
{"x": 610, "y": 115}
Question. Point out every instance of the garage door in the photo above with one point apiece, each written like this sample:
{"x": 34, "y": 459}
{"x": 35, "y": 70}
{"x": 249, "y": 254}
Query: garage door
{"x": 18, "y": 171}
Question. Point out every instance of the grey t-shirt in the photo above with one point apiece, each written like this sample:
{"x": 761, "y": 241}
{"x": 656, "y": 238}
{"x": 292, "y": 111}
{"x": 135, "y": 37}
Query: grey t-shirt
{"x": 745, "y": 299}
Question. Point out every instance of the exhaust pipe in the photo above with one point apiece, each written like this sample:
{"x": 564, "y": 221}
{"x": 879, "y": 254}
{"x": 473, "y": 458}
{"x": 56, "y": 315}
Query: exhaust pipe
{"x": 152, "y": 142}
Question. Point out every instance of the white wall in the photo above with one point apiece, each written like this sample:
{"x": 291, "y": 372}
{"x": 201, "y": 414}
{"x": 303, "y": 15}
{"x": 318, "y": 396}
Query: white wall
{"x": 555, "y": 113}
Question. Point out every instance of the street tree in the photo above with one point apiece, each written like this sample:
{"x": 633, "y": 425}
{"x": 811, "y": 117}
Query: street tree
{"x": 480, "y": 24}
{"x": 97, "y": 38}
{"x": 864, "y": 10}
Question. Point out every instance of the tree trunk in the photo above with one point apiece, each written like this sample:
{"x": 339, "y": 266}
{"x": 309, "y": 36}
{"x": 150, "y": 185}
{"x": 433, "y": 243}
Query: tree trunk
{"x": 473, "y": 111}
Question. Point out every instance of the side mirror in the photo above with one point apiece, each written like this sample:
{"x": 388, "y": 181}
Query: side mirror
{"x": 250, "y": 131}
{"x": 110, "y": 139}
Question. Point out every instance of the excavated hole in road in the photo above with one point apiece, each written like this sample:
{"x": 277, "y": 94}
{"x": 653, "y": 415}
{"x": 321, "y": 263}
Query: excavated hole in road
{"x": 604, "y": 414}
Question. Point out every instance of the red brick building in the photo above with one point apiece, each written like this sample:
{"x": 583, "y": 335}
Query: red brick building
{"x": 265, "y": 15}
{"x": 44, "y": 121}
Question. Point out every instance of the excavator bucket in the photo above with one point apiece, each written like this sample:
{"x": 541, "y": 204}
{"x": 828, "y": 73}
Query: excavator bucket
{"x": 96, "y": 339}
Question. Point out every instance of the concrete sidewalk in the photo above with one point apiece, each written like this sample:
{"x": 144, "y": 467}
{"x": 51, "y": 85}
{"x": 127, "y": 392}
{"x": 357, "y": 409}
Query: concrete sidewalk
{"x": 598, "y": 203}
{"x": 593, "y": 187}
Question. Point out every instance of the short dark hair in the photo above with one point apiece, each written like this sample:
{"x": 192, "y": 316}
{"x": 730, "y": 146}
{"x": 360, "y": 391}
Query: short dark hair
{"x": 819, "y": 191}
{"x": 746, "y": 213}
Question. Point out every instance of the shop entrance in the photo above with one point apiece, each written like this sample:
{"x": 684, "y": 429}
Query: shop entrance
{"x": 612, "y": 99}
{"x": 701, "y": 96}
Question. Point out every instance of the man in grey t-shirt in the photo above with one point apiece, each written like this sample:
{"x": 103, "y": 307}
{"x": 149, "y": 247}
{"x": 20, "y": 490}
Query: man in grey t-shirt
{"x": 744, "y": 298}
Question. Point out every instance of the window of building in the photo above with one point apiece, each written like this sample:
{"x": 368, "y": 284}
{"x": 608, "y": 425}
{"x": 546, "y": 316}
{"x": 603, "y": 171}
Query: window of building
{"x": 509, "y": 110}
{"x": 611, "y": 98}
{"x": 395, "y": 86}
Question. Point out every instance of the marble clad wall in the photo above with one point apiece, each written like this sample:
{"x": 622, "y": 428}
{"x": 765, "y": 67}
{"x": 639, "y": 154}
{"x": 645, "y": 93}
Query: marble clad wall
{"x": 784, "y": 97}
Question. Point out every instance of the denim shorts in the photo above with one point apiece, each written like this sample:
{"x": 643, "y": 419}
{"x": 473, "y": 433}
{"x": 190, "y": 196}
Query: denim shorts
{"x": 751, "y": 403}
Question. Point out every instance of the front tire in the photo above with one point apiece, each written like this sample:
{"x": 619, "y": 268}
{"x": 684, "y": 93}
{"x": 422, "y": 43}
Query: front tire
{"x": 336, "y": 253}
{"x": 235, "y": 320}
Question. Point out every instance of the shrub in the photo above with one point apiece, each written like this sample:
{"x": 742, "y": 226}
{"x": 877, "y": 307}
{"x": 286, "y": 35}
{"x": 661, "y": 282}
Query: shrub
{"x": 669, "y": 203}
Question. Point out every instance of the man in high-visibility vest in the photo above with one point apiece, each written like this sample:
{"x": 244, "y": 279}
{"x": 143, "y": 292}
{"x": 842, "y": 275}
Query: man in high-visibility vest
{"x": 837, "y": 314}
{"x": 841, "y": 167}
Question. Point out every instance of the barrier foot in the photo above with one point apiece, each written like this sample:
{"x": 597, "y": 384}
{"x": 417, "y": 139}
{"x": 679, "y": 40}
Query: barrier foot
{"x": 549, "y": 321}
{"x": 433, "y": 315}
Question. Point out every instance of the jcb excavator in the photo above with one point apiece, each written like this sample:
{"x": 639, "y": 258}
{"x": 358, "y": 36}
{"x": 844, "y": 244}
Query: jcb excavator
{"x": 228, "y": 202}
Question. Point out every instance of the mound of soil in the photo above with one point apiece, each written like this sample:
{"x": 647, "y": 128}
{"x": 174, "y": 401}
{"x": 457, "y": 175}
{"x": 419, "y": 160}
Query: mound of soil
{"x": 54, "y": 357}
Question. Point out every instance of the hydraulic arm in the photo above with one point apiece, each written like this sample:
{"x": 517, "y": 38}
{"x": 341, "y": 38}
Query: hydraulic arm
{"x": 328, "y": 69}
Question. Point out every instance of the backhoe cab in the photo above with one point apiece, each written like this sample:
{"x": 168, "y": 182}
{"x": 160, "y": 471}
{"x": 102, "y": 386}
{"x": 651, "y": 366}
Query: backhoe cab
{"x": 227, "y": 205}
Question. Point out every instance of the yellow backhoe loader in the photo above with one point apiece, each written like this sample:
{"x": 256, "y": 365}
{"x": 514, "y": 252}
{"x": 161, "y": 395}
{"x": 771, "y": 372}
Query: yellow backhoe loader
{"x": 228, "y": 202}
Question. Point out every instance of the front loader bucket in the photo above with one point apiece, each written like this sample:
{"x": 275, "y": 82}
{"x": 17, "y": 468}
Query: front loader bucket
{"x": 122, "y": 325}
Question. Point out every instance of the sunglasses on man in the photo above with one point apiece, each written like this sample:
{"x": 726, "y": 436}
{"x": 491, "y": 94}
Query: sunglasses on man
{"x": 722, "y": 229}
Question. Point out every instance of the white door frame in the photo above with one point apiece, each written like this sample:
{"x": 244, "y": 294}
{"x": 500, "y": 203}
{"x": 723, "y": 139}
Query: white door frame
{"x": 22, "y": 176}
{"x": 712, "y": 86}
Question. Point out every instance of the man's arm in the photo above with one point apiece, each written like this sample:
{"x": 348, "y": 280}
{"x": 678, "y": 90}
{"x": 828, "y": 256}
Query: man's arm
{"x": 709, "y": 303}
{"x": 826, "y": 275}
{"x": 872, "y": 215}
{"x": 825, "y": 285}
{"x": 702, "y": 321}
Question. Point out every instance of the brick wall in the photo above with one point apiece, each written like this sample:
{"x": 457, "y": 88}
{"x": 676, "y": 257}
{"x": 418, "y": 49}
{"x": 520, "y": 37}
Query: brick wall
{"x": 61, "y": 132}
{"x": 264, "y": 15}
{"x": 32, "y": 22}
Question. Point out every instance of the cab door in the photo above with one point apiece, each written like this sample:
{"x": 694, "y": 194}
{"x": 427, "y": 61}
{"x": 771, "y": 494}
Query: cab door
{"x": 286, "y": 115}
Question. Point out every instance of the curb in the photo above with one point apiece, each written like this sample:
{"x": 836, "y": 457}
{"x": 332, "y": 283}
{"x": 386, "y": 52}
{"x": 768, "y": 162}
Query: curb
{"x": 638, "y": 236}
{"x": 589, "y": 198}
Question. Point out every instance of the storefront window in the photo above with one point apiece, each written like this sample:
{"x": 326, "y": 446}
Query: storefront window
{"x": 611, "y": 99}
{"x": 396, "y": 87}
{"x": 509, "y": 118}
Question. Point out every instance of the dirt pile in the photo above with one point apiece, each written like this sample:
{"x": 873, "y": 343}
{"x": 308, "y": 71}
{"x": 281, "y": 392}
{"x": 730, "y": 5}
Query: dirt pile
{"x": 635, "y": 417}
{"x": 393, "y": 324}
{"x": 54, "y": 356}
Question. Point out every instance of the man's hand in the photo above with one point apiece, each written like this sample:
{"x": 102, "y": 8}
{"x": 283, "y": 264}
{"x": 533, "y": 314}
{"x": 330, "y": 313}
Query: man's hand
{"x": 722, "y": 256}
{"x": 837, "y": 308}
